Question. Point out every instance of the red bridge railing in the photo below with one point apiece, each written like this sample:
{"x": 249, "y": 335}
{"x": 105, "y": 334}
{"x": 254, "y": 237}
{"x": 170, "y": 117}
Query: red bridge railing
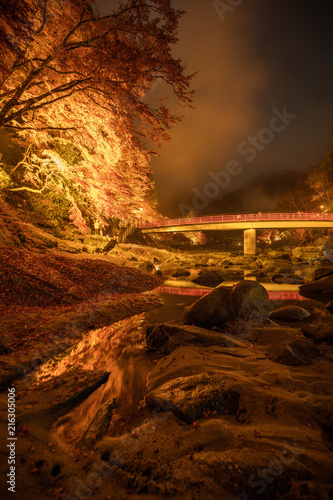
{"x": 236, "y": 218}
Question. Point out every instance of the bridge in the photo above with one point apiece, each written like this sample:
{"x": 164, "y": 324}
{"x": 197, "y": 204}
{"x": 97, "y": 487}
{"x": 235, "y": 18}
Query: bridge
{"x": 249, "y": 223}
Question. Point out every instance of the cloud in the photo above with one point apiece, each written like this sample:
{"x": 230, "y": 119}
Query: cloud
{"x": 239, "y": 81}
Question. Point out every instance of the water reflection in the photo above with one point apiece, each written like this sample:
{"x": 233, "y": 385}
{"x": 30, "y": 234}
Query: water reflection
{"x": 118, "y": 349}
{"x": 180, "y": 286}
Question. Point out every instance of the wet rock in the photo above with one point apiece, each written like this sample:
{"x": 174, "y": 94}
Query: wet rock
{"x": 98, "y": 427}
{"x": 180, "y": 272}
{"x": 62, "y": 393}
{"x": 189, "y": 397}
{"x": 288, "y": 280}
{"x": 321, "y": 272}
{"x": 167, "y": 337}
{"x": 258, "y": 274}
{"x": 211, "y": 278}
{"x": 228, "y": 304}
{"x": 289, "y": 313}
{"x": 320, "y": 333}
{"x": 322, "y": 285}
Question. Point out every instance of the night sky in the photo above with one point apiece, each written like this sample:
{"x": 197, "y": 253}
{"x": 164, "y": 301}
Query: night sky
{"x": 251, "y": 59}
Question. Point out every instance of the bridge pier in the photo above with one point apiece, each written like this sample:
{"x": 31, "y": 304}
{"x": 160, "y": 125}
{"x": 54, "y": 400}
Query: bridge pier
{"x": 250, "y": 241}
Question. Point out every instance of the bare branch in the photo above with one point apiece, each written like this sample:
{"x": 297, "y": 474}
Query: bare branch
{"x": 44, "y": 19}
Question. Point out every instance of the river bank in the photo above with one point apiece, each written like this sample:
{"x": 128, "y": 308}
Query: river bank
{"x": 223, "y": 400}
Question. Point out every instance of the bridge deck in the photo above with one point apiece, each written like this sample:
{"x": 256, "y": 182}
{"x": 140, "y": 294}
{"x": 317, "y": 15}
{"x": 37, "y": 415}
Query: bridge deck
{"x": 240, "y": 222}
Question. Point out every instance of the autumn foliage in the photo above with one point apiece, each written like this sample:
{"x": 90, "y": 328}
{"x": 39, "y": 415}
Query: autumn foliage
{"x": 73, "y": 91}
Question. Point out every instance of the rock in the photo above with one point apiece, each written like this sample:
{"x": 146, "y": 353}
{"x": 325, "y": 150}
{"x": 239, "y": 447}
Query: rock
{"x": 167, "y": 337}
{"x": 286, "y": 270}
{"x": 180, "y": 272}
{"x": 254, "y": 266}
{"x": 189, "y": 397}
{"x": 298, "y": 352}
{"x": 226, "y": 262}
{"x": 227, "y": 304}
{"x": 158, "y": 272}
{"x": 211, "y": 263}
{"x": 277, "y": 276}
{"x": 308, "y": 253}
{"x": 289, "y": 280}
{"x": 289, "y": 313}
{"x": 320, "y": 333}
{"x": 62, "y": 393}
{"x": 321, "y": 272}
{"x": 146, "y": 266}
{"x": 211, "y": 278}
{"x": 239, "y": 261}
{"x": 278, "y": 254}
{"x": 109, "y": 246}
{"x": 281, "y": 264}
{"x": 322, "y": 285}
{"x": 288, "y": 356}
{"x": 98, "y": 427}
{"x": 259, "y": 274}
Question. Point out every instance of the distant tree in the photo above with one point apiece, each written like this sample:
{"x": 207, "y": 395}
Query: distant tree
{"x": 320, "y": 180}
{"x": 298, "y": 199}
{"x": 72, "y": 86}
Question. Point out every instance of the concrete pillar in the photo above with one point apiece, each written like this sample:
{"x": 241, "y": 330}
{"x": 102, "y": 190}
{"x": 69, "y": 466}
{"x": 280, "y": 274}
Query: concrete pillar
{"x": 250, "y": 241}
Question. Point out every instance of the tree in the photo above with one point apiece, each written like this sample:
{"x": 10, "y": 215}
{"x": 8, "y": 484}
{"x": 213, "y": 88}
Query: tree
{"x": 320, "y": 180}
{"x": 297, "y": 199}
{"x": 73, "y": 86}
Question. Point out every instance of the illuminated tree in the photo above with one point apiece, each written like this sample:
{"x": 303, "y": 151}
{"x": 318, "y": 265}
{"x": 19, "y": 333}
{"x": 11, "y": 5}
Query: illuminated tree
{"x": 73, "y": 86}
{"x": 320, "y": 179}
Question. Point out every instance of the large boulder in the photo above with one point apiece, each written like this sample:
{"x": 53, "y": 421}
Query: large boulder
{"x": 229, "y": 304}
